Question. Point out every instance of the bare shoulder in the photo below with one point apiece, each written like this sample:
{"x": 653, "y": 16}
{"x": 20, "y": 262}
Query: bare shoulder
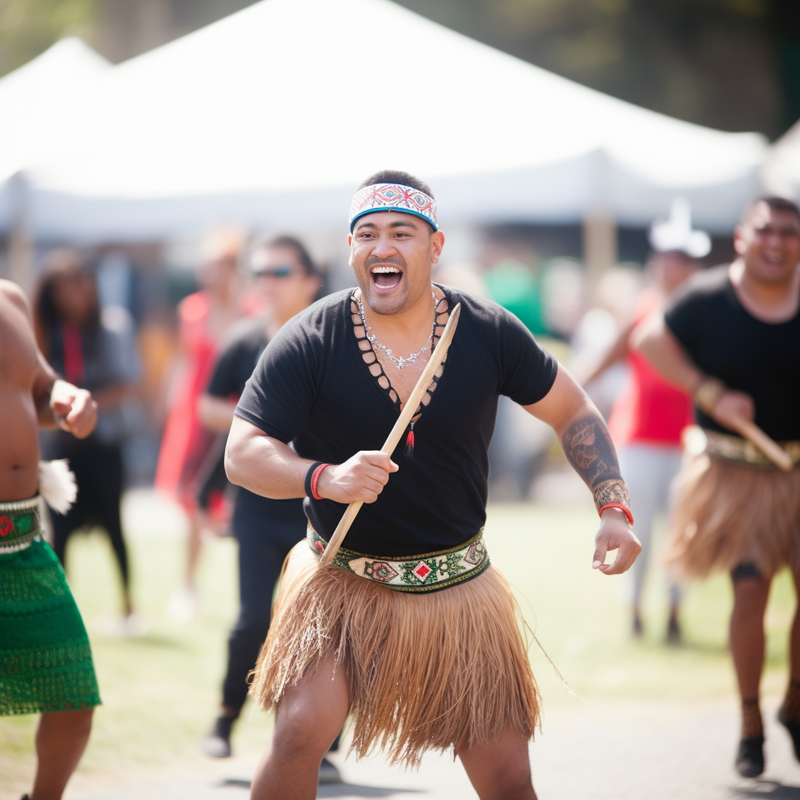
{"x": 10, "y": 291}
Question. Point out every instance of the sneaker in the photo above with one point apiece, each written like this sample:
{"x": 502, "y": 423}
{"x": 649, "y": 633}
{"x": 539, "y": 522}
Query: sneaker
{"x": 750, "y": 757}
{"x": 182, "y": 606}
{"x": 328, "y": 773}
{"x": 794, "y": 731}
{"x": 217, "y": 742}
{"x": 674, "y": 635}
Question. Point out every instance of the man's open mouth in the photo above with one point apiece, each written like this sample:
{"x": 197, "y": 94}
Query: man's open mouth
{"x": 386, "y": 276}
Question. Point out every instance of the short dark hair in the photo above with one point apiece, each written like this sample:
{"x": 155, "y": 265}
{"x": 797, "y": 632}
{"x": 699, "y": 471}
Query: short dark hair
{"x": 775, "y": 203}
{"x": 268, "y": 242}
{"x": 397, "y": 176}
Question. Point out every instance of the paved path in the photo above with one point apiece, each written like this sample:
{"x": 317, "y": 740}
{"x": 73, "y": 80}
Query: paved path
{"x": 651, "y": 754}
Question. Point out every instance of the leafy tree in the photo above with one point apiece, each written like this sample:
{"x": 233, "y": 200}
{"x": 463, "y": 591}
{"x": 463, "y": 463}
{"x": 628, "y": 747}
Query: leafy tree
{"x": 29, "y": 27}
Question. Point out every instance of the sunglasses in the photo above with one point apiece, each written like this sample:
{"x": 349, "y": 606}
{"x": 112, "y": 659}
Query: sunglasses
{"x": 277, "y": 272}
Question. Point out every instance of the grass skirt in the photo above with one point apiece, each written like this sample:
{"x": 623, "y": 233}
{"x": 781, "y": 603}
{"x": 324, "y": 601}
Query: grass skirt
{"x": 426, "y": 671}
{"x": 728, "y": 514}
{"x": 45, "y": 657}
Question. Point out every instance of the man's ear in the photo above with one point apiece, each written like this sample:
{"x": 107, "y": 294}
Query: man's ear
{"x": 437, "y": 243}
{"x": 739, "y": 244}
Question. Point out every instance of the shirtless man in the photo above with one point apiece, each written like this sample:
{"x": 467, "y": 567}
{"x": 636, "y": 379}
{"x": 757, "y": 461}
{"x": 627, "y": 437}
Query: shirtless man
{"x": 39, "y": 621}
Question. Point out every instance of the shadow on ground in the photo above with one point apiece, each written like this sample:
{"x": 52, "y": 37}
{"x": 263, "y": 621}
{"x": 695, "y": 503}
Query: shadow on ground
{"x": 774, "y": 790}
{"x": 333, "y": 789}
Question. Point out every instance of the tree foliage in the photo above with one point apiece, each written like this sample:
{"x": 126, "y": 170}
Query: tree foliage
{"x": 29, "y": 27}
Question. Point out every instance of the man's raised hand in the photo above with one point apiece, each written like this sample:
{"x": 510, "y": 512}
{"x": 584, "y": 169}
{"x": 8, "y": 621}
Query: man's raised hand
{"x": 74, "y": 409}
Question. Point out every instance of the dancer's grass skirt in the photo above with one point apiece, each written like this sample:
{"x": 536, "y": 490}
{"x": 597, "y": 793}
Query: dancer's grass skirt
{"x": 728, "y": 514}
{"x": 45, "y": 657}
{"x": 426, "y": 671}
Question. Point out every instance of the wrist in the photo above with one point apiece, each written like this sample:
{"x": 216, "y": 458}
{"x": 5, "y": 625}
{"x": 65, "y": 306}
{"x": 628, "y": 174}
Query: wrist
{"x": 57, "y": 418}
{"x": 613, "y": 493}
{"x": 312, "y": 479}
{"x": 707, "y": 393}
{"x": 619, "y": 509}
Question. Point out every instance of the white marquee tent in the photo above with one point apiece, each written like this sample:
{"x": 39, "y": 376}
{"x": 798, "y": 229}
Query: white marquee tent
{"x": 278, "y": 111}
{"x": 781, "y": 171}
{"x": 36, "y": 99}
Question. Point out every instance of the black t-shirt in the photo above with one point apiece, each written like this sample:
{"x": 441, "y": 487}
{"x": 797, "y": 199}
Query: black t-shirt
{"x": 237, "y": 359}
{"x": 724, "y": 340}
{"x": 313, "y": 386}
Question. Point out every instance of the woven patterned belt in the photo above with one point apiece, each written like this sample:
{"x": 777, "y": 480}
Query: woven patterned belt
{"x": 20, "y": 523}
{"x": 733, "y": 448}
{"x": 428, "y": 572}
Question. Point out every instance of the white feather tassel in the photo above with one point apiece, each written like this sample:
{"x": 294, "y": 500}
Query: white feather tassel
{"x": 57, "y": 484}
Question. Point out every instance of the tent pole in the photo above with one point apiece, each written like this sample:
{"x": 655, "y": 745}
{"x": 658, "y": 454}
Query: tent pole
{"x": 20, "y": 244}
{"x": 599, "y": 247}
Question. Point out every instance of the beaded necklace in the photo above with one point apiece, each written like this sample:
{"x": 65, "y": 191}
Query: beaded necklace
{"x": 398, "y": 361}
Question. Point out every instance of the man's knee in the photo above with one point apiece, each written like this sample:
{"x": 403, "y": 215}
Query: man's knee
{"x": 750, "y": 595}
{"x": 300, "y": 728}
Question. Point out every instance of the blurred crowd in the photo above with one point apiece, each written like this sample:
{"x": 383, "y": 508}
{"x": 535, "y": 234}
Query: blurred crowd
{"x": 146, "y": 340}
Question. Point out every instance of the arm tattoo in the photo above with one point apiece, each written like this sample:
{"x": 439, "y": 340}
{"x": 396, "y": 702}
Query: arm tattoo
{"x": 591, "y": 453}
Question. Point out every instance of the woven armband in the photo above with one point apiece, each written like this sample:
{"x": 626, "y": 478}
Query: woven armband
{"x": 708, "y": 393}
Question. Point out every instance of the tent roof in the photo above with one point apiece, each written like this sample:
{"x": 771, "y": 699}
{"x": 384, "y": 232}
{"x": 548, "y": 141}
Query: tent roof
{"x": 35, "y": 97}
{"x": 287, "y": 102}
{"x": 781, "y": 170}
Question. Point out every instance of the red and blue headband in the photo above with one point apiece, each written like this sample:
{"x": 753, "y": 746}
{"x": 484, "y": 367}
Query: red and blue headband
{"x": 393, "y": 197}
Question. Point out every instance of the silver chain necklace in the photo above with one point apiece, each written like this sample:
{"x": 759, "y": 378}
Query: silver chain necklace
{"x": 398, "y": 361}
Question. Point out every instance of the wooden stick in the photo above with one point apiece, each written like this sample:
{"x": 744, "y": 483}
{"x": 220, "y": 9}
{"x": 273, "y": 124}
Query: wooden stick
{"x": 410, "y": 408}
{"x": 769, "y": 447}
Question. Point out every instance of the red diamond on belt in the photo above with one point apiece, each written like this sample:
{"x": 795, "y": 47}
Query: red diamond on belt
{"x": 422, "y": 570}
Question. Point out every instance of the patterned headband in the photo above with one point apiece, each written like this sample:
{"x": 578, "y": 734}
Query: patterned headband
{"x": 393, "y": 197}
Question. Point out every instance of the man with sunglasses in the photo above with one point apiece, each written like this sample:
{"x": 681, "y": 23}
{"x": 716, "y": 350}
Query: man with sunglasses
{"x": 285, "y": 281}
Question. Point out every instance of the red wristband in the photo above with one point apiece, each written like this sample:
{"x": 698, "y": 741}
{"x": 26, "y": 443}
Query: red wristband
{"x": 621, "y": 507}
{"x": 315, "y": 481}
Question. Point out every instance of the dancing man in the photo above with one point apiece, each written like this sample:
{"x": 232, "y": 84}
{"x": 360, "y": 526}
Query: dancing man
{"x": 732, "y": 339}
{"x": 44, "y": 649}
{"x": 421, "y": 644}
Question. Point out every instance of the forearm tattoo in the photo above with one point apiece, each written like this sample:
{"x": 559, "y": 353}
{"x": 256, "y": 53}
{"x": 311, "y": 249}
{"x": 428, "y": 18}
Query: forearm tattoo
{"x": 591, "y": 453}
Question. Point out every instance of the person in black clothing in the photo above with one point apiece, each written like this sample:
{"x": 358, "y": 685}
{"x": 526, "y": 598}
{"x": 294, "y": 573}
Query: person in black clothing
{"x": 92, "y": 348}
{"x": 286, "y": 282}
{"x": 421, "y": 644}
{"x": 732, "y": 339}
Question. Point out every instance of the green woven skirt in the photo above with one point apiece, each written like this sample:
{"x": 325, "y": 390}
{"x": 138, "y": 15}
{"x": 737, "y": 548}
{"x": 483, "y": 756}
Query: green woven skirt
{"x": 45, "y": 657}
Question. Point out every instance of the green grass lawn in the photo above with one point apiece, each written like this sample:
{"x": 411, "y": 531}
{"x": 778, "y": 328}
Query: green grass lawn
{"x": 160, "y": 691}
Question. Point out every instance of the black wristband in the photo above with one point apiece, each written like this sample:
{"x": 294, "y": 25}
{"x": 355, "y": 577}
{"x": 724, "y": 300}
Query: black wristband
{"x": 309, "y": 474}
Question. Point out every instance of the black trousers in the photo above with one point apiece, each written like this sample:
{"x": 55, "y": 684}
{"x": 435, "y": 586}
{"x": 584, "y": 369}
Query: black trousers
{"x": 266, "y": 533}
{"x": 98, "y": 469}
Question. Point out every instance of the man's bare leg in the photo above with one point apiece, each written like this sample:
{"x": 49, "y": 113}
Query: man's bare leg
{"x": 747, "y": 638}
{"x": 794, "y": 638}
{"x": 502, "y": 770}
{"x": 61, "y": 738}
{"x": 789, "y": 714}
{"x": 309, "y": 718}
{"x": 750, "y": 595}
